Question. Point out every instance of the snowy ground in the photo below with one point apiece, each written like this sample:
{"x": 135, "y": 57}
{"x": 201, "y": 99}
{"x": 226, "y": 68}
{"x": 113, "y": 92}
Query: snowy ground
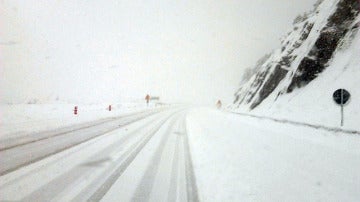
{"x": 181, "y": 154}
{"x": 238, "y": 158}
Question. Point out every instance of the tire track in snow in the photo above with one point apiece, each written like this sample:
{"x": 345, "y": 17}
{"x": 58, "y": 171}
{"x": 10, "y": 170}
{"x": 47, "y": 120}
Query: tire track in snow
{"x": 76, "y": 176}
{"x": 5, "y": 168}
{"x": 172, "y": 194}
{"x": 100, "y": 192}
{"x": 191, "y": 187}
{"x": 143, "y": 191}
{"x": 24, "y": 140}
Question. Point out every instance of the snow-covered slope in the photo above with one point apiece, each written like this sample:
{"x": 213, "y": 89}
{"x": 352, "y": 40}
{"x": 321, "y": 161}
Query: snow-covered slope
{"x": 320, "y": 55}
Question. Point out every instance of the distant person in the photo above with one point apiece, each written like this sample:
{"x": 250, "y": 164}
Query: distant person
{"x": 147, "y": 98}
{"x": 219, "y": 104}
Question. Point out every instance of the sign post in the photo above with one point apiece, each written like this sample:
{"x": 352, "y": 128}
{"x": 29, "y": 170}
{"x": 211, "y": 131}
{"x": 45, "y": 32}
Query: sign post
{"x": 341, "y": 97}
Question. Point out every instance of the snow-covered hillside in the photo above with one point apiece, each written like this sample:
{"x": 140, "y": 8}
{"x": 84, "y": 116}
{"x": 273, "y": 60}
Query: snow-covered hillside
{"x": 317, "y": 57}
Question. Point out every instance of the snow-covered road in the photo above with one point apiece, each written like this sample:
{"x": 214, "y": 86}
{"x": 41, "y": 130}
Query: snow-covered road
{"x": 140, "y": 157}
{"x": 181, "y": 154}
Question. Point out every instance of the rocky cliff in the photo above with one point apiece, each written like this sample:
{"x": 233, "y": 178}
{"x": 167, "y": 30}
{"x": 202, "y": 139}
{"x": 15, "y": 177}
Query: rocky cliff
{"x": 305, "y": 53}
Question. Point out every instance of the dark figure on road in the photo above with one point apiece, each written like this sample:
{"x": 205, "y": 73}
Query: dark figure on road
{"x": 147, "y": 98}
{"x": 219, "y": 104}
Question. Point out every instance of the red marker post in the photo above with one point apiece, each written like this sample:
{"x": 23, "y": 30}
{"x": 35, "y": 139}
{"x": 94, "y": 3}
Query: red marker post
{"x": 109, "y": 108}
{"x": 75, "y": 110}
{"x": 147, "y": 98}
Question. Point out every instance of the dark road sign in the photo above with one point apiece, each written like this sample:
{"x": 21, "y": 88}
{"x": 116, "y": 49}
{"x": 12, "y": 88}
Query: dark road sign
{"x": 341, "y": 96}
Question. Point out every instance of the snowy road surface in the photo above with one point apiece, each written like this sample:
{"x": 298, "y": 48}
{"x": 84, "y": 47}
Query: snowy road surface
{"x": 181, "y": 155}
{"x": 135, "y": 158}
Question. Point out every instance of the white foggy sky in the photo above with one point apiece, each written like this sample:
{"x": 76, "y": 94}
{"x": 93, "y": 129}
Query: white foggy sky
{"x": 182, "y": 51}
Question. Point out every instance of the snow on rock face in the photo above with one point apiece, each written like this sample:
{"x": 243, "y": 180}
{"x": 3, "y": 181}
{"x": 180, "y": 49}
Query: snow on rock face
{"x": 339, "y": 23}
{"x": 305, "y": 52}
{"x": 320, "y": 55}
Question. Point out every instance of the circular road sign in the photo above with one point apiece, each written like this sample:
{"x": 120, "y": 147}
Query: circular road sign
{"x": 341, "y": 96}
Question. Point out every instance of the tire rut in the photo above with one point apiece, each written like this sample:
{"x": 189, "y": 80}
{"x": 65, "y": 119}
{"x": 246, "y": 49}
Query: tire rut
{"x": 84, "y": 170}
{"x": 10, "y": 169}
{"x": 54, "y": 133}
{"x": 144, "y": 189}
{"x": 191, "y": 187}
{"x": 126, "y": 160}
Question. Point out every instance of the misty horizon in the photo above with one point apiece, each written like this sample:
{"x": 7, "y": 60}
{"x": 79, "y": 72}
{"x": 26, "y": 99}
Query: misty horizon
{"x": 193, "y": 52}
